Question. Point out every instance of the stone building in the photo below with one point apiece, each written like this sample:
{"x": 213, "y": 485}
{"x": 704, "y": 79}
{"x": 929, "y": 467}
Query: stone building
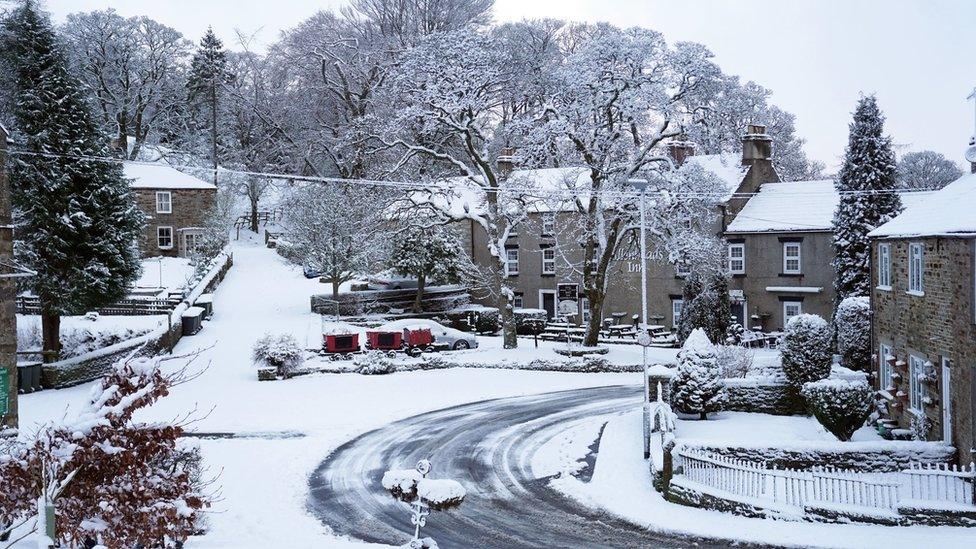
{"x": 780, "y": 252}
{"x": 176, "y": 206}
{"x": 924, "y": 316}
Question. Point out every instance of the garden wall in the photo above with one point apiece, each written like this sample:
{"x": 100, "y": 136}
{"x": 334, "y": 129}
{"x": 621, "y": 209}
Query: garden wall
{"x": 763, "y": 396}
{"x": 876, "y": 457}
{"x": 90, "y": 366}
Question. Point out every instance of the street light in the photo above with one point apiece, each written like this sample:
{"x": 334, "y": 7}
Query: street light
{"x": 643, "y": 337}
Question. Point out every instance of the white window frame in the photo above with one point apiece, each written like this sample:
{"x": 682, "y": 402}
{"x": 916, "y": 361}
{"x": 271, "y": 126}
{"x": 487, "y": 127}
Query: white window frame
{"x": 548, "y": 225}
{"x": 164, "y": 206}
{"x": 511, "y": 261}
{"x": 916, "y": 388}
{"x": 518, "y": 301}
{"x": 884, "y": 368}
{"x": 786, "y": 315}
{"x": 585, "y": 309}
{"x": 737, "y": 265}
{"x": 884, "y": 266}
{"x": 548, "y": 263}
{"x": 159, "y": 237}
{"x": 916, "y": 268}
{"x": 682, "y": 268}
{"x": 677, "y": 306}
{"x": 787, "y": 258}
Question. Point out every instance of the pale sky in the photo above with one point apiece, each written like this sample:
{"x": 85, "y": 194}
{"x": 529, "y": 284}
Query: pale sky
{"x": 816, "y": 55}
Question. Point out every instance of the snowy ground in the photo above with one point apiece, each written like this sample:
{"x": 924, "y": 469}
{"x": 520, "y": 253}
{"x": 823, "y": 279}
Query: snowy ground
{"x": 621, "y": 485}
{"x": 164, "y": 273}
{"x": 283, "y": 429}
{"x": 80, "y": 335}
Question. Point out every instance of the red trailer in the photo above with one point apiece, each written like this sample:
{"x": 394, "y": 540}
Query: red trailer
{"x": 384, "y": 341}
{"x": 411, "y": 341}
{"x": 340, "y": 346}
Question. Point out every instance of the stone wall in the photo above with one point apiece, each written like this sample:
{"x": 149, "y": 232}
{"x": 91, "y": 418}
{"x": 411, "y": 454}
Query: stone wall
{"x": 933, "y": 326}
{"x": 869, "y": 457}
{"x": 190, "y": 209}
{"x": 769, "y": 397}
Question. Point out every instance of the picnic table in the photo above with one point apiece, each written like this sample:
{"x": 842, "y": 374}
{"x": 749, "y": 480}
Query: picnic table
{"x": 620, "y": 330}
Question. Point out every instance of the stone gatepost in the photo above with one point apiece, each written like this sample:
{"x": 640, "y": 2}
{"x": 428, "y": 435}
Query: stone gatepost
{"x": 8, "y": 296}
{"x": 659, "y": 375}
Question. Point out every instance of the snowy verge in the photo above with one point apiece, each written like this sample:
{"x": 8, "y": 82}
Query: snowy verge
{"x": 621, "y": 485}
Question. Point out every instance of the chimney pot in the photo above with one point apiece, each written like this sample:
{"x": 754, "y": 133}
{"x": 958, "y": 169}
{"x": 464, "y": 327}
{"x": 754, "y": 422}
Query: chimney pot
{"x": 506, "y": 160}
{"x": 680, "y": 150}
{"x": 756, "y": 145}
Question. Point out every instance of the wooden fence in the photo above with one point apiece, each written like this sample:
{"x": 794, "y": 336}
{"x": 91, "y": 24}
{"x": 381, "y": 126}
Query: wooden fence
{"x": 853, "y": 489}
{"x": 30, "y": 305}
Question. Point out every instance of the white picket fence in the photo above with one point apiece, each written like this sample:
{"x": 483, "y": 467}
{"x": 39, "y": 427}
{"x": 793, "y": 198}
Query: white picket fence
{"x": 793, "y": 488}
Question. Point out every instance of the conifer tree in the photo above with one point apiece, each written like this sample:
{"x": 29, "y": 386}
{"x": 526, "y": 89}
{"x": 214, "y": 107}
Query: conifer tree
{"x": 866, "y": 184}
{"x": 208, "y": 72}
{"x": 76, "y": 221}
{"x": 697, "y": 386}
{"x": 429, "y": 254}
{"x": 706, "y": 306}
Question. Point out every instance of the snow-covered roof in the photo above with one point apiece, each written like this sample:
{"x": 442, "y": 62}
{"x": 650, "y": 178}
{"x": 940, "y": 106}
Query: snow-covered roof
{"x": 796, "y": 206}
{"x": 727, "y": 167}
{"x": 161, "y": 176}
{"x": 948, "y": 211}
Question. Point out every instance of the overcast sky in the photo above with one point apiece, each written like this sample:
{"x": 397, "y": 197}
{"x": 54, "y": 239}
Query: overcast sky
{"x": 816, "y": 55}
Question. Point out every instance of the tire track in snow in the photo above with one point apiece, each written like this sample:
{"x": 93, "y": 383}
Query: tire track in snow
{"x": 488, "y": 447}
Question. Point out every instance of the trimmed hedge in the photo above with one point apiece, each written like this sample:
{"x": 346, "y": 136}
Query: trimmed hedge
{"x": 769, "y": 397}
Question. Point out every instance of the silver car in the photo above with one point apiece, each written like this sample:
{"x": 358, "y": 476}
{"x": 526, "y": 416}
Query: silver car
{"x": 455, "y": 340}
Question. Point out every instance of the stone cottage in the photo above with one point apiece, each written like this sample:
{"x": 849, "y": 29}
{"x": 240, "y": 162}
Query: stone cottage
{"x": 924, "y": 317}
{"x": 176, "y": 206}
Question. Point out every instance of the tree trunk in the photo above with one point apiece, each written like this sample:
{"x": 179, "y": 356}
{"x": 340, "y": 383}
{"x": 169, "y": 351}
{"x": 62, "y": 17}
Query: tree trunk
{"x": 335, "y": 288}
{"x": 254, "y": 213}
{"x": 51, "y": 333}
{"x": 418, "y": 304}
{"x": 702, "y": 415}
{"x": 213, "y": 130}
{"x": 506, "y": 314}
{"x": 592, "y": 337}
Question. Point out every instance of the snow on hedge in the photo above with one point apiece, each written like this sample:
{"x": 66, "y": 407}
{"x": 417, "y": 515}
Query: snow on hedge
{"x": 441, "y": 493}
{"x": 402, "y": 483}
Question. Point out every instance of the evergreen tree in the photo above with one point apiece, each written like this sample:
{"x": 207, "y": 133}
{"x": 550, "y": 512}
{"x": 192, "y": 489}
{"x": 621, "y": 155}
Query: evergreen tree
{"x": 76, "y": 221}
{"x": 806, "y": 352}
{"x": 208, "y": 72}
{"x": 866, "y": 183}
{"x": 705, "y": 306}
{"x": 697, "y": 386}
{"x": 429, "y": 254}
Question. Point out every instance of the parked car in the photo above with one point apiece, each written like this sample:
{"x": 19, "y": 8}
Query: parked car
{"x": 455, "y": 340}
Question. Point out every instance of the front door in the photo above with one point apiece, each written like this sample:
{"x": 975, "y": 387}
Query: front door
{"x": 191, "y": 240}
{"x": 739, "y": 313}
{"x": 547, "y": 301}
{"x": 946, "y": 401}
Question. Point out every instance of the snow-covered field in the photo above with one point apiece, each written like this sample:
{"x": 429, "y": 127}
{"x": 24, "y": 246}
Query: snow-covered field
{"x": 164, "y": 273}
{"x": 80, "y": 335}
{"x": 283, "y": 429}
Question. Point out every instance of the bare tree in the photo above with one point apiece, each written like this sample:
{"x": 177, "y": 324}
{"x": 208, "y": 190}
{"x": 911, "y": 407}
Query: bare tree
{"x": 926, "y": 170}
{"x": 134, "y": 68}
{"x": 408, "y": 20}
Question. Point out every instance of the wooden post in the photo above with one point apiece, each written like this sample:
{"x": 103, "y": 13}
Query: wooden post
{"x": 8, "y": 304}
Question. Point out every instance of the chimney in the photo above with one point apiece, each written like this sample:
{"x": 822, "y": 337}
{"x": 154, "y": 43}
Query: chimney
{"x": 679, "y": 150}
{"x": 506, "y": 160}
{"x": 756, "y": 145}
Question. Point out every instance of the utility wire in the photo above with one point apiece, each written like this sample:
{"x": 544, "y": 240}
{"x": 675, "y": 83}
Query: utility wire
{"x": 446, "y": 185}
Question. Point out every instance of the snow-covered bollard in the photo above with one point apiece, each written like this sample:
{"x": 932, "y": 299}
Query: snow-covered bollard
{"x": 423, "y": 494}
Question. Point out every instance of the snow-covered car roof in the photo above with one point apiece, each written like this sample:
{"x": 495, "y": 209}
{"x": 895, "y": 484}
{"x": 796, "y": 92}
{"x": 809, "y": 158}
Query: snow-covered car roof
{"x": 413, "y": 323}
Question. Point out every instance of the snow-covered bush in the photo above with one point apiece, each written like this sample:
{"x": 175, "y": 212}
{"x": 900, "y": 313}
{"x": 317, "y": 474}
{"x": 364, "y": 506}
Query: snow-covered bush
{"x": 841, "y": 406}
{"x": 116, "y": 481}
{"x": 806, "y": 354}
{"x": 487, "y": 322}
{"x": 697, "y": 386}
{"x": 733, "y": 360}
{"x": 853, "y": 322}
{"x": 734, "y": 333}
{"x": 374, "y": 362}
{"x": 706, "y": 306}
{"x": 920, "y": 427}
{"x": 279, "y": 351}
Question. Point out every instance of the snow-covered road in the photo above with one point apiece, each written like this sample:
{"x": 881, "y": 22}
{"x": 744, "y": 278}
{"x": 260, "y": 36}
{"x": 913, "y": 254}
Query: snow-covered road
{"x": 490, "y": 447}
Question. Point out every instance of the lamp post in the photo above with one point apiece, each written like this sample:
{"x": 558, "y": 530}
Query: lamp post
{"x": 643, "y": 337}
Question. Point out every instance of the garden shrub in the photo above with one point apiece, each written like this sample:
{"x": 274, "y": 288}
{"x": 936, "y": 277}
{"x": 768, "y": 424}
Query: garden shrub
{"x": 841, "y": 406}
{"x": 697, "y": 386}
{"x": 806, "y": 353}
{"x": 853, "y": 323}
{"x": 279, "y": 351}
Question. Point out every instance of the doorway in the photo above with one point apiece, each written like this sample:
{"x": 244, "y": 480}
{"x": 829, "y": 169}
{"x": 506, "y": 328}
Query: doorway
{"x": 547, "y": 301}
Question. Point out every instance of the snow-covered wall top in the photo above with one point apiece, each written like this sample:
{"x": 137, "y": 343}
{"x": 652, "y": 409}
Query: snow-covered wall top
{"x": 797, "y": 206}
{"x": 160, "y": 176}
{"x": 948, "y": 211}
